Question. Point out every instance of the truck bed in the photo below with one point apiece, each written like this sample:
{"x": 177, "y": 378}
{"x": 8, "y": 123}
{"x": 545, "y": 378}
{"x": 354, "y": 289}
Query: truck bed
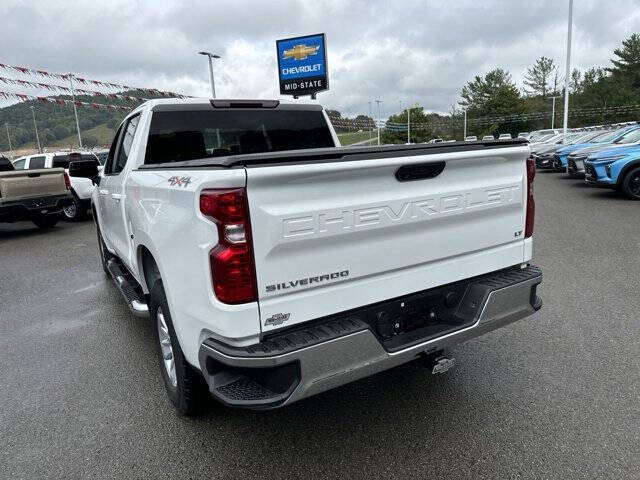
{"x": 25, "y": 184}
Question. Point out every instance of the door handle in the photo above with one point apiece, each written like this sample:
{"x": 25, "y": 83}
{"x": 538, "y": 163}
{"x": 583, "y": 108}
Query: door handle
{"x": 117, "y": 196}
{"x": 103, "y": 191}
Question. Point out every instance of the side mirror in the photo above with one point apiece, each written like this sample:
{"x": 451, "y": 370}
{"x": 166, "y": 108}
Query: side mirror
{"x": 84, "y": 169}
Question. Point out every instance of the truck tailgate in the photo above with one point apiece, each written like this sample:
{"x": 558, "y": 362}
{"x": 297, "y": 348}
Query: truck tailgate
{"x": 333, "y": 236}
{"x": 22, "y": 184}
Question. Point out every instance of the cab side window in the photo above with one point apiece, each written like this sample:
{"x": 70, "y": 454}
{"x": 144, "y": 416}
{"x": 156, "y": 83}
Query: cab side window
{"x": 108, "y": 164}
{"x": 124, "y": 146}
{"x": 19, "y": 164}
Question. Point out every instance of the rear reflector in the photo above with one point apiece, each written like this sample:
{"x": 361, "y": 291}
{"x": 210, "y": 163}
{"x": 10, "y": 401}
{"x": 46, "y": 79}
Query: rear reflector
{"x": 531, "y": 204}
{"x": 232, "y": 265}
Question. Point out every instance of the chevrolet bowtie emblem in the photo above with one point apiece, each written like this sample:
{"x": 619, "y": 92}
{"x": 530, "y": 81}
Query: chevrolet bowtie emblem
{"x": 300, "y": 52}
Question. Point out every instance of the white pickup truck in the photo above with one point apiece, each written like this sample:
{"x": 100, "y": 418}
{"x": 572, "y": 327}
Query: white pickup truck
{"x": 276, "y": 264}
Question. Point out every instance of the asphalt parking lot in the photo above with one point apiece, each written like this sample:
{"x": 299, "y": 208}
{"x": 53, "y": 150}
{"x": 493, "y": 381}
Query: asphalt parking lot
{"x": 556, "y": 395}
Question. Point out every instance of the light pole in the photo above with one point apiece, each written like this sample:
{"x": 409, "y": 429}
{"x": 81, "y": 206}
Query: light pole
{"x": 211, "y": 56}
{"x": 378, "y": 102}
{"x": 568, "y": 69}
{"x": 553, "y": 110}
{"x": 36, "y": 127}
{"x": 75, "y": 110}
{"x": 464, "y": 130}
{"x": 409, "y": 123}
{"x": 9, "y": 138}
{"x": 371, "y": 117}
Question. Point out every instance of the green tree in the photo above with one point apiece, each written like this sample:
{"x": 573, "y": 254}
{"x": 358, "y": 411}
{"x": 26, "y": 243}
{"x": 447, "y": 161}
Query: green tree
{"x": 538, "y": 77}
{"x": 627, "y": 65}
{"x": 575, "y": 84}
{"x": 491, "y": 94}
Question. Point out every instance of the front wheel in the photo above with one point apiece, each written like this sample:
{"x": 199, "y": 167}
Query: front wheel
{"x": 185, "y": 386}
{"x": 631, "y": 184}
{"x": 75, "y": 211}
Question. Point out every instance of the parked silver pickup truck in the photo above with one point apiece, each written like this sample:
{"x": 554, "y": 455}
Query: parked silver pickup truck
{"x": 34, "y": 195}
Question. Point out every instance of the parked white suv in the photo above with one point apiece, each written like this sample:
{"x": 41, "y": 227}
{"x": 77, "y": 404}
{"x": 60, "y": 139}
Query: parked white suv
{"x": 276, "y": 265}
{"x": 81, "y": 188}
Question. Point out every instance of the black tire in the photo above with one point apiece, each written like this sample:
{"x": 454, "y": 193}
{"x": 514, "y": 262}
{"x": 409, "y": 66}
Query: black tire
{"x": 188, "y": 392}
{"x": 105, "y": 256}
{"x": 76, "y": 211}
{"x": 45, "y": 221}
{"x": 631, "y": 184}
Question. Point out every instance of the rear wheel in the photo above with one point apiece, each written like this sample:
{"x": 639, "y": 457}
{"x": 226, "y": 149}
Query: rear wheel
{"x": 75, "y": 211}
{"x": 185, "y": 386}
{"x": 631, "y": 184}
{"x": 45, "y": 221}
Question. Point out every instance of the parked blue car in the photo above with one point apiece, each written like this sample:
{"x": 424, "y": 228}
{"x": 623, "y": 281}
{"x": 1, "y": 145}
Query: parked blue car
{"x": 616, "y": 168}
{"x": 561, "y": 156}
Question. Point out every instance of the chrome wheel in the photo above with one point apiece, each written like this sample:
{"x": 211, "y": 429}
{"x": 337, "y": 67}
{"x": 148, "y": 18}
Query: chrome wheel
{"x": 166, "y": 349}
{"x": 70, "y": 211}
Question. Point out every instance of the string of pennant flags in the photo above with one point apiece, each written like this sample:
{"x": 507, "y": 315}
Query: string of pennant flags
{"x": 61, "y": 88}
{"x": 62, "y": 101}
{"x": 85, "y": 81}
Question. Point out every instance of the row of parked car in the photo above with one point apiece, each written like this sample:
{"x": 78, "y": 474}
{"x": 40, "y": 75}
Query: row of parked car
{"x": 608, "y": 157}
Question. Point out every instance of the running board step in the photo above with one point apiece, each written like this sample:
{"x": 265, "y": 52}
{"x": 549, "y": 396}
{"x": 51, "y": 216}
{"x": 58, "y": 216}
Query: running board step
{"x": 129, "y": 288}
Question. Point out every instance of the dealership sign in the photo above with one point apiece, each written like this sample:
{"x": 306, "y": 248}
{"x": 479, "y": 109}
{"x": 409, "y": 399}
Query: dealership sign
{"x": 302, "y": 65}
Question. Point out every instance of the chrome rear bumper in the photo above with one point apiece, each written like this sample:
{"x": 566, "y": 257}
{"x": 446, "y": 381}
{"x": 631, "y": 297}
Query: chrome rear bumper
{"x": 353, "y": 353}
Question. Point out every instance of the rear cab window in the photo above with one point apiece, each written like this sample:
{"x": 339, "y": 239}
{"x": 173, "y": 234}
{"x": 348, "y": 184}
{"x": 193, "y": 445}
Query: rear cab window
{"x": 182, "y": 135}
{"x": 36, "y": 163}
{"x": 63, "y": 160}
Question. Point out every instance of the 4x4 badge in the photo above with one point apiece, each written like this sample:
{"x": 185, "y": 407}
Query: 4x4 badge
{"x": 179, "y": 181}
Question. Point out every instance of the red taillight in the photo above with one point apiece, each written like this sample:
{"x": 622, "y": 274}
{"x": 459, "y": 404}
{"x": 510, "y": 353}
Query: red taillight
{"x": 531, "y": 204}
{"x": 67, "y": 181}
{"x": 232, "y": 266}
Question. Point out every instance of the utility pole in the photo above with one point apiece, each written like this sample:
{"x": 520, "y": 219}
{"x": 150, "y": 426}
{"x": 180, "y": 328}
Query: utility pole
{"x": 553, "y": 111}
{"x": 9, "y": 138}
{"x": 378, "y": 102}
{"x": 75, "y": 110}
{"x": 211, "y": 56}
{"x": 568, "y": 69}
{"x": 464, "y": 134}
{"x": 36, "y": 127}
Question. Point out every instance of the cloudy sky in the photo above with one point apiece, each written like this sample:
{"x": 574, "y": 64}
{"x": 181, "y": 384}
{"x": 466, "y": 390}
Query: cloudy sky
{"x": 409, "y": 51}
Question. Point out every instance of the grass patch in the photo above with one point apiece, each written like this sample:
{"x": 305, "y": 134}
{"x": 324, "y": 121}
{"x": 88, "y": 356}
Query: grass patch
{"x": 351, "y": 138}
